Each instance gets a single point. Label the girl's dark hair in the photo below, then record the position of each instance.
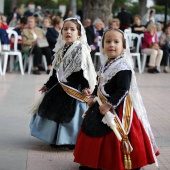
(118, 30)
(77, 24)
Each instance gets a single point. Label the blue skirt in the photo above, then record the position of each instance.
(45, 129)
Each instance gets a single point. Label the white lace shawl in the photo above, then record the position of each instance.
(82, 60)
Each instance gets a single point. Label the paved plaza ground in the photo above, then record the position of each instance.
(20, 151)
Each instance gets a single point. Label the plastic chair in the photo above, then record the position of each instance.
(130, 37)
(14, 52)
(144, 55)
(128, 30)
(29, 61)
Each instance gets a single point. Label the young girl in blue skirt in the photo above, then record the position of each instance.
(58, 114)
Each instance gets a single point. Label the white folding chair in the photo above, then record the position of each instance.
(128, 30)
(14, 52)
(29, 61)
(144, 55)
(130, 39)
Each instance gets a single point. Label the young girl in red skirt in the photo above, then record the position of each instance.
(131, 145)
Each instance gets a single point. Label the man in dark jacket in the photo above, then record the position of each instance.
(93, 36)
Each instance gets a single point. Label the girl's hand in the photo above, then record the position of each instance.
(86, 92)
(43, 89)
(90, 102)
(104, 108)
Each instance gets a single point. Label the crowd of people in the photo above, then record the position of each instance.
(33, 26)
(101, 116)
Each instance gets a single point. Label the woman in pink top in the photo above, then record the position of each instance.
(150, 47)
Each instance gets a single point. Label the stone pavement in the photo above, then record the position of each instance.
(20, 151)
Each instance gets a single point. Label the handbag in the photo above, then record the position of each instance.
(155, 46)
(42, 43)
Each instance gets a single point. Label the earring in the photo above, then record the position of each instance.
(78, 37)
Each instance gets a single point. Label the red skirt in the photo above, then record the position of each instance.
(106, 153)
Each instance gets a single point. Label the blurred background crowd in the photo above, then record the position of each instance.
(36, 23)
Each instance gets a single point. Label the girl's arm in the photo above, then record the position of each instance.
(123, 80)
(52, 80)
(118, 87)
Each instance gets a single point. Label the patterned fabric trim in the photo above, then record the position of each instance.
(127, 114)
(74, 93)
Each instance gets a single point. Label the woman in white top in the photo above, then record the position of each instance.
(30, 35)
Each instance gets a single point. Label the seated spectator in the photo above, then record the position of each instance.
(137, 27)
(93, 34)
(101, 31)
(53, 32)
(165, 45)
(21, 25)
(87, 22)
(5, 42)
(47, 14)
(114, 23)
(30, 35)
(37, 20)
(150, 47)
(46, 24)
(159, 29)
(3, 25)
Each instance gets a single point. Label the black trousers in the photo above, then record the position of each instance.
(166, 54)
(38, 52)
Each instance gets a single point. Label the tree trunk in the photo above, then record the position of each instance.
(98, 9)
(143, 8)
